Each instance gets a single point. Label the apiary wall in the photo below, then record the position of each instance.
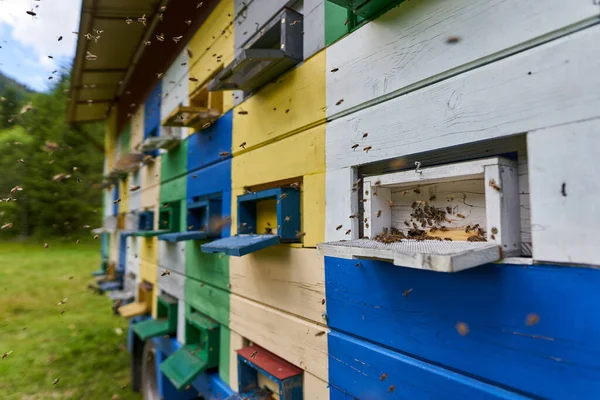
(424, 83)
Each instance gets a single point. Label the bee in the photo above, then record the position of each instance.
(300, 234)
(31, 13)
(392, 388)
(354, 147)
(287, 219)
(366, 149)
(378, 213)
(365, 200)
(364, 136)
(460, 216)
(166, 272)
(433, 229)
(142, 20)
(494, 186)
(338, 227)
(46, 245)
(283, 196)
(159, 75)
(161, 37)
(6, 354)
(124, 387)
(352, 216)
(339, 102)
(448, 239)
(383, 377)
(335, 70)
(407, 292)
(494, 230)
(188, 22)
(493, 237)
(134, 188)
(242, 112)
(189, 53)
(96, 237)
(243, 145)
(453, 39)
(348, 231)
(532, 319)
(63, 301)
(56, 381)
(224, 153)
(176, 39)
(253, 355)
(468, 228)
(390, 203)
(192, 79)
(16, 189)
(194, 176)
(474, 227)
(462, 328)
(377, 182)
(295, 185)
(268, 230)
(417, 191)
(407, 223)
(287, 110)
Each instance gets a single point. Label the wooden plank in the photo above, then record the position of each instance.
(172, 256)
(206, 268)
(173, 191)
(135, 196)
(295, 102)
(565, 225)
(181, 320)
(174, 163)
(113, 247)
(515, 341)
(236, 342)
(137, 129)
(364, 370)
(313, 209)
(175, 92)
(295, 340)
(214, 38)
(407, 47)
(224, 353)
(205, 146)
(133, 255)
(212, 179)
(294, 156)
(149, 249)
(474, 103)
(524, 203)
(172, 284)
(314, 388)
(124, 196)
(341, 205)
(314, 27)
(152, 105)
(291, 280)
(208, 299)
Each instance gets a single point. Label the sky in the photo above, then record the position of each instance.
(26, 41)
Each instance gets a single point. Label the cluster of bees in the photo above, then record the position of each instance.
(428, 216)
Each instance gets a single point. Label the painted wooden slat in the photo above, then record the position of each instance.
(313, 209)
(530, 328)
(207, 268)
(175, 92)
(224, 350)
(342, 206)
(172, 284)
(236, 342)
(288, 279)
(133, 255)
(475, 101)
(295, 340)
(181, 319)
(137, 128)
(173, 191)
(113, 248)
(205, 146)
(297, 155)
(294, 102)
(215, 178)
(152, 111)
(208, 300)
(148, 271)
(563, 216)
(172, 256)
(174, 162)
(124, 196)
(408, 45)
(314, 27)
(252, 15)
(135, 196)
(214, 38)
(314, 388)
(524, 202)
(364, 371)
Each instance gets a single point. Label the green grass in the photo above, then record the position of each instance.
(80, 347)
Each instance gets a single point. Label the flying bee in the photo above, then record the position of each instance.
(460, 216)
(355, 146)
(352, 216)
(243, 145)
(288, 218)
(134, 188)
(300, 234)
(365, 135)
(378, 213)
(407, 292)
(407, 223)
(335, 70)
(417, 191)
(224, 153)
(283, 196)
(295, 185)
(494, 186)
(348, 231)
(390, 203)
(339, 102)
(176, 39)
(161, 37)
(366, 149)
(337, 228)
(253, 355)
(193, 79)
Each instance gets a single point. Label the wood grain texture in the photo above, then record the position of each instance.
(172, 256)
(172, 284)
(286, 336)
(295, 102)
(297, 155)
(313, 209)
(565, 226)
(291, 280)
(467, 108)
(416, 312)
(367, 371)
(214, 38)
(314, 388)
(408, 45)
(208, 299)
(206, 268)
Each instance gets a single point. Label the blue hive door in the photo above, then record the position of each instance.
(122, 253)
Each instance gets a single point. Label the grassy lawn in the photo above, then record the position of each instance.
(81, 347)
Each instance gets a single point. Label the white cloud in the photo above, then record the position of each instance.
(39, 34)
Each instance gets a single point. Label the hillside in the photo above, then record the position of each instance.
(9, 83)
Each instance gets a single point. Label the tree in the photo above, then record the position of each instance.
(9, 107)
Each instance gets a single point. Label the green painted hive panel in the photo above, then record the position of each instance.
(152, 328)
(174, 163)
(209, 268)
(184, 365)
(208, 300)
(173, 190)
